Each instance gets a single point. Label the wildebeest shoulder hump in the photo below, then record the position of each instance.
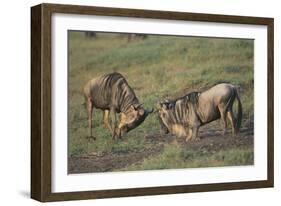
(191, 97)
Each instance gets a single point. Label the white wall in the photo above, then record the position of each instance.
(15, 103)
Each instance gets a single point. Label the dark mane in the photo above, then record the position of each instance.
(193, 97)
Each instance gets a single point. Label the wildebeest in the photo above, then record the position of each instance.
(112, 94)
(185, 115)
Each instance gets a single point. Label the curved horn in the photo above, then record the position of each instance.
(137, 106)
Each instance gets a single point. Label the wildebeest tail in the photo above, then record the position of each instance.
(240, 112)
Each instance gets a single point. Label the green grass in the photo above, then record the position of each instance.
(155, 67)
(175, 157)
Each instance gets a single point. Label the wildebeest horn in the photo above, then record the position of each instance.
(136, 106)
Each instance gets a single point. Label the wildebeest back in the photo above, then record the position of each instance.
(110, 90)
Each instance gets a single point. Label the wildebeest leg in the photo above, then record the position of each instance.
(231, 119)
(90, 114)
(164, 128)
(223, 118)
(195, 133)
(113, 122)
(106, 120)
(189, 135)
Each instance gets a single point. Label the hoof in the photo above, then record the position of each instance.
(91, 138)
(175, 142)
(197, 139)
(114, 138)
(235, 134)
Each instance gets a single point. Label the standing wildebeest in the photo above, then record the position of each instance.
(185, 115)
(112, 94)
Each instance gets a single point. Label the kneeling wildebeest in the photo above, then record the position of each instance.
(112, 94)
(185, 115)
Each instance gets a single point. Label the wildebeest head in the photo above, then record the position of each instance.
(163, 109)
(132, 118)
(176, 115)
(173, 115)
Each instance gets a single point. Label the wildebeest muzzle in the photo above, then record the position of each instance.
(139, 120)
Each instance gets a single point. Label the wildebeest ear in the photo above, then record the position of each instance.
(198, 94)
(187, 97)
(132, 107)
(167, 105)
(141, 111)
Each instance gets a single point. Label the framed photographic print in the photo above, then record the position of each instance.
(132, 102)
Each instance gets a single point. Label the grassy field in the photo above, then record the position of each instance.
(157, 67)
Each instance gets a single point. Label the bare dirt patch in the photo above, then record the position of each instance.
(108, 162)
(212, 141)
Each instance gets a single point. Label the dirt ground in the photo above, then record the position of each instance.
(212, 141)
